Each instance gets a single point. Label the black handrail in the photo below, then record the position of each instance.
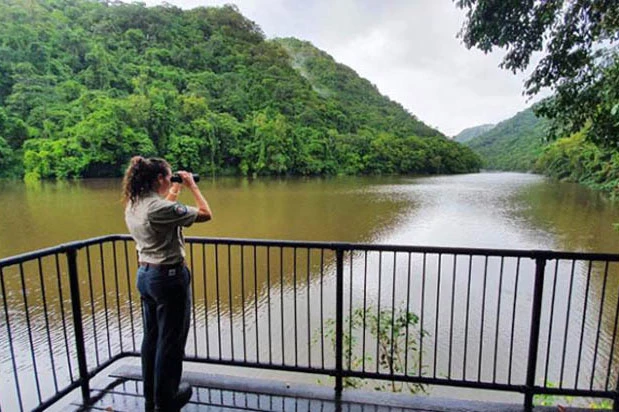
(431, 277)
(344, 246)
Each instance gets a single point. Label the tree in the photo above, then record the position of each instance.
(270, 149)
(185, 153)
(62, 158)
(6, 156)
(579, 41)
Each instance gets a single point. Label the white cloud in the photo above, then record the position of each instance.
(407, 48)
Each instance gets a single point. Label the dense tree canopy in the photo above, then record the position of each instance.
(578, 41)
(86, 84)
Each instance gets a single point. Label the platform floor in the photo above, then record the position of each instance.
(122, 392)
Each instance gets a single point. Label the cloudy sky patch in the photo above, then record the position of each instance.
(407, 48)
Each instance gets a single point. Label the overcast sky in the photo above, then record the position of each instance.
(407, 48)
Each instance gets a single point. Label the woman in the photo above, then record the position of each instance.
(155, 220)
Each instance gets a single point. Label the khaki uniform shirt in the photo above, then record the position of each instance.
(156, 226)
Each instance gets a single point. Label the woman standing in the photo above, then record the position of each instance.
(155, 220)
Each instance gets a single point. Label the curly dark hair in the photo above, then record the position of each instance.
(141, 177)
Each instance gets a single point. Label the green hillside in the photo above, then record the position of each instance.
(471, 132)
(87, 84)
(360, 99)
(519, 144)
(513, 144)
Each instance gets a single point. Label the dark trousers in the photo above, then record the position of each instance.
(166, 303)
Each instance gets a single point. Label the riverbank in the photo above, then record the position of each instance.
(574, 159)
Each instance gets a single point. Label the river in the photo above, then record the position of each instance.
(499, 210)
(486, 210)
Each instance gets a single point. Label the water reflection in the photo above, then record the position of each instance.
(577, 218)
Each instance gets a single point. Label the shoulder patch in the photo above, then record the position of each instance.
(180, 210)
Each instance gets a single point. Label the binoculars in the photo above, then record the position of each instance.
(177, 179)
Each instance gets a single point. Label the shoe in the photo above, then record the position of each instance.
(183, 394)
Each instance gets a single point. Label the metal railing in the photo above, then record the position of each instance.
(529, 322)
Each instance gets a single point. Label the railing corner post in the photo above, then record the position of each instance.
(339, 321)
(540, 266)
(76, 306)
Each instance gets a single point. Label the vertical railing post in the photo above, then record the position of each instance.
(616, 398)
(339, 321)
(540, 266)
(76, 305)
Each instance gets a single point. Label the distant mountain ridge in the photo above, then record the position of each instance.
(471, 132)
(513, 144)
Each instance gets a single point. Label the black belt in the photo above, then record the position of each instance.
(162, 266)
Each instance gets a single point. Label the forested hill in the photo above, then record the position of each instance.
(471, 132)
(513, 144)
(86, 84)
(360, 98)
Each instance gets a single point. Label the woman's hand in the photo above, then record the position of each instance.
(187, 179)
(204, 211)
